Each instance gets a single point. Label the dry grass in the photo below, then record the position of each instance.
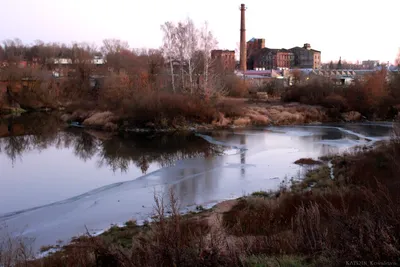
(104, 120)
(353, 217)
(262, 114)
(99, 118)
(240, 122)
(259, 119)
(14, 250)
(351, 116)
(221, 120)
(170, 240)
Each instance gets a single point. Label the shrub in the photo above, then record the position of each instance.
(374, 97)
(236, 87)
(162, 108)
(336, 102)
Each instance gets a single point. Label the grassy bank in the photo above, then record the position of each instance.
(348, 214)
(185, 113)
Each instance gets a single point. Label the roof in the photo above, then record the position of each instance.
(302, 48)
(222, 51)
(273, 50)
(255, 39)
(258, 72)
(335, 73)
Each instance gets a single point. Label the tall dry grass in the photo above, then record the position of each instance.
(356, 218)
(15, 250)
(170, 240)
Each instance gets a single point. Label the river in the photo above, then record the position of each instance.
(56, 182)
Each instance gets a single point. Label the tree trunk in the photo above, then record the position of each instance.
(172, 75)
(182, 77)
(190, 76)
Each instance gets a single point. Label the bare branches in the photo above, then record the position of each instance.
(168, 48)
(190, 47)
(113, 49)
(112, 46)
(207, 43)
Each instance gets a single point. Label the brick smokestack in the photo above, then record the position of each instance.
(243, 56)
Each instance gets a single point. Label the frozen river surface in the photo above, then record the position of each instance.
(55, 185)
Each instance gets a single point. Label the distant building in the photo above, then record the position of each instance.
(253, 46)
(268, 59)
(98, 60)
(370, 64)
(340, 77)
(224, 59)
(61, 61)
(263, 58)
(305, 57)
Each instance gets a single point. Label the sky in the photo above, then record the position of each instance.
(351, 29)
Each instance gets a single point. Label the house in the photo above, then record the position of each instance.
(98, 60)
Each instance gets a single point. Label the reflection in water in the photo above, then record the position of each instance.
(111, 151)
(73, 192)
(243, 155)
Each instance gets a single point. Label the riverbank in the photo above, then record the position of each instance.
(224, 113)
(345, 209)
(233, 113)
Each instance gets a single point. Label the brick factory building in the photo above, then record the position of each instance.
(269, 59)
(224, 60)
(306, 58)
(261, 57)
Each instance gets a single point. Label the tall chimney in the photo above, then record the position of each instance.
(243, 57)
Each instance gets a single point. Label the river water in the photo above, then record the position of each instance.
(56, 182)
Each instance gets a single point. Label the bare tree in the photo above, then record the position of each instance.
(192, 35)
(155, 64)
(111, 46)
(82, 69)
(14, 50)
(112, 49)
(188, 44)
(181, 46)
(168, 48)
(207, 43)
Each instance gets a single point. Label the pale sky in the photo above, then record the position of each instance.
(353, 29)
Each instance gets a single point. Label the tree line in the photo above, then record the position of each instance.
(185, 56)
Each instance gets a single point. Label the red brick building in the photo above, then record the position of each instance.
(260, 57)
(268, 59)
(224, 59)
(254, 45)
